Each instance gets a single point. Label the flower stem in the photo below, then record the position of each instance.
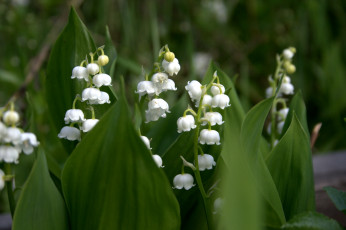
(197, 173)
(9, 185)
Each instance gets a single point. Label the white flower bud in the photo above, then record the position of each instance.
(269, 92)
(93, 68)
(89, 124)
(12, 135)
(218, 203)
(70, 133)
(2, 181)
(11, 117)
(145, 87)
(280, 126)
(183, 181)
(102, 79)
(283, 114)
(194, 88)
(213, 117)
(209, 137)
(186, 123)
(156, 108)
(158, 160)
(80, 72)
(205, 161)
(288, 54)
(207, 100)
(28, 142)
(74, 115)
(171, 67)
(215, 89)
(146, 141)
(103, 60)
(169, 56)
(221, 101)
(9, 154)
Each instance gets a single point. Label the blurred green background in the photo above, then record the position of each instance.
(242, 37)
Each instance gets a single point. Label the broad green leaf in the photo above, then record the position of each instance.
(111, 181)
(297, 106)
(241, 207)
(250, 138)
(338, 197)
(40, 205)
(290, 165)
(70, 49)
(311, 221)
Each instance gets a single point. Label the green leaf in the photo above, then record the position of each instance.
(250, 138)
(111, 181)
(311, 221)
(290, 165)
(70, 49)
(297, 106)
(338, 197)
(40, 205)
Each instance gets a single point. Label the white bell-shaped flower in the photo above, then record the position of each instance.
(93, 68)
(80, 72)
(12, 135)
(171, 67)
(194, 88)
(9, 154)
(221, 101)
(269, 92)
(213, 118)
(286, 87)
(2, 181)
(28, 142)
(205, 161)
(70, 133)
(102, 79)
(74, 115)
(158, 160)
(104, 98)
(146, 141)
(3, 131)
(207, 100)
(11, 117)
(280, 126)
(283, 114)
(91, 95)
(156, 108)
(215, 89)
(162, 83)
(288, 54)
(145, 87)
(88, 124)
(209, 137)
(186, 123)
(183, 181)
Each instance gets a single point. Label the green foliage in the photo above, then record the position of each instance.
(40, 205)
(338, 197)
(311, 221)
(111, 182)
(290, 165)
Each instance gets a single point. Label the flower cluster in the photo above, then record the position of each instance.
(14, 140)
(206, 98)
(279, 109)
(91, 74)
(167, 65)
